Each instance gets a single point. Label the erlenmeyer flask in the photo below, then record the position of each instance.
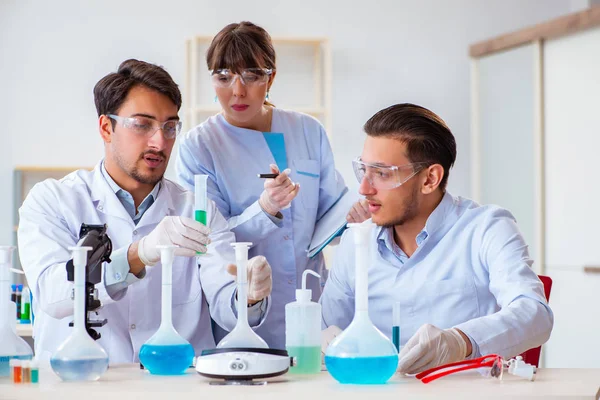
(11, 345)
(242, 336)
(361, 354)
(79, 358)
(166, 352)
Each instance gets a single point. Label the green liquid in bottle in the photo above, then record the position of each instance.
(200, 216)
(308, 359)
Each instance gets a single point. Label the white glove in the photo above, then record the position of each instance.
(279, 192)
(359, 212)
(260, 281)
(191, 236)
(431, 347)
(327, 336)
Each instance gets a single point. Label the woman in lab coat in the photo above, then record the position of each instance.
(247, 138)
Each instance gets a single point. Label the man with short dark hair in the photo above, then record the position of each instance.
(460, 271)
(138, 121)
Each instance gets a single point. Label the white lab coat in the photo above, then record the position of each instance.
(50, 219)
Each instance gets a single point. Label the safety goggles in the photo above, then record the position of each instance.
(490, 366)
(146, 127)
(386, 176)
(224, 78)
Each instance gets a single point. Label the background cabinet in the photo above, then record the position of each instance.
(303, 81)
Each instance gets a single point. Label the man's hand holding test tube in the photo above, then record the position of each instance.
(279, 191)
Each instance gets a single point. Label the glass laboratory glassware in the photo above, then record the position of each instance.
(361, 354)
(11, 345)
(166, 352)
(79, 357)
(200, 199)
(303, 330)
(242, 336)
(396, 325)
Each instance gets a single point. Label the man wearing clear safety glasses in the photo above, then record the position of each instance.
(138, 122)
(460, 272)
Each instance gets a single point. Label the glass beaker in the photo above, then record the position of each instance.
(11, 345)
(361, 354)
(242, 336)
(166, 352)
(79, 357)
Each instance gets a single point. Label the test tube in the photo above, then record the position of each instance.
(35, 371)
(25, 372)
(25, 306)
(18, 301)
(396, 325)
(13, 293)
(201, 202)
(15, 369)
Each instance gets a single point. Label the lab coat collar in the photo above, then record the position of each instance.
(162, 206)
(106, 201)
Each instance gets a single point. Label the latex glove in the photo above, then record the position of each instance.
(260, 281)
(359, 212)
(279, 192)
(327, 336)
(430, 347)
(191, 236)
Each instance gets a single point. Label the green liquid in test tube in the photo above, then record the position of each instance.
(200, 182)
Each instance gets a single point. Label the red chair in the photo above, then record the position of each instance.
(532, 356)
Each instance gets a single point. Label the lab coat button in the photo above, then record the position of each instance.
(132, 326)
(135, 232)
(118, 276)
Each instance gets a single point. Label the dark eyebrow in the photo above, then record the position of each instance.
(176, 117)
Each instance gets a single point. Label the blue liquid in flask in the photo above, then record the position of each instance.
(362, 370)
(167, 359)
(79, 370)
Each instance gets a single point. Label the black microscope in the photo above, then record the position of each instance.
(95, 237)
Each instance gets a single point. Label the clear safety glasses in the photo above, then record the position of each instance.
(143, 126)
(491, 366)
(225, 78)
(384, 176)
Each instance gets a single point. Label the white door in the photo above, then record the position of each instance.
(505, 142)
(572, 193)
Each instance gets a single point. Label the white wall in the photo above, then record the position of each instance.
(384, 52)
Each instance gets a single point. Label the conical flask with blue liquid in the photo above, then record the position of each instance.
(361, 354)
(166, 352)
